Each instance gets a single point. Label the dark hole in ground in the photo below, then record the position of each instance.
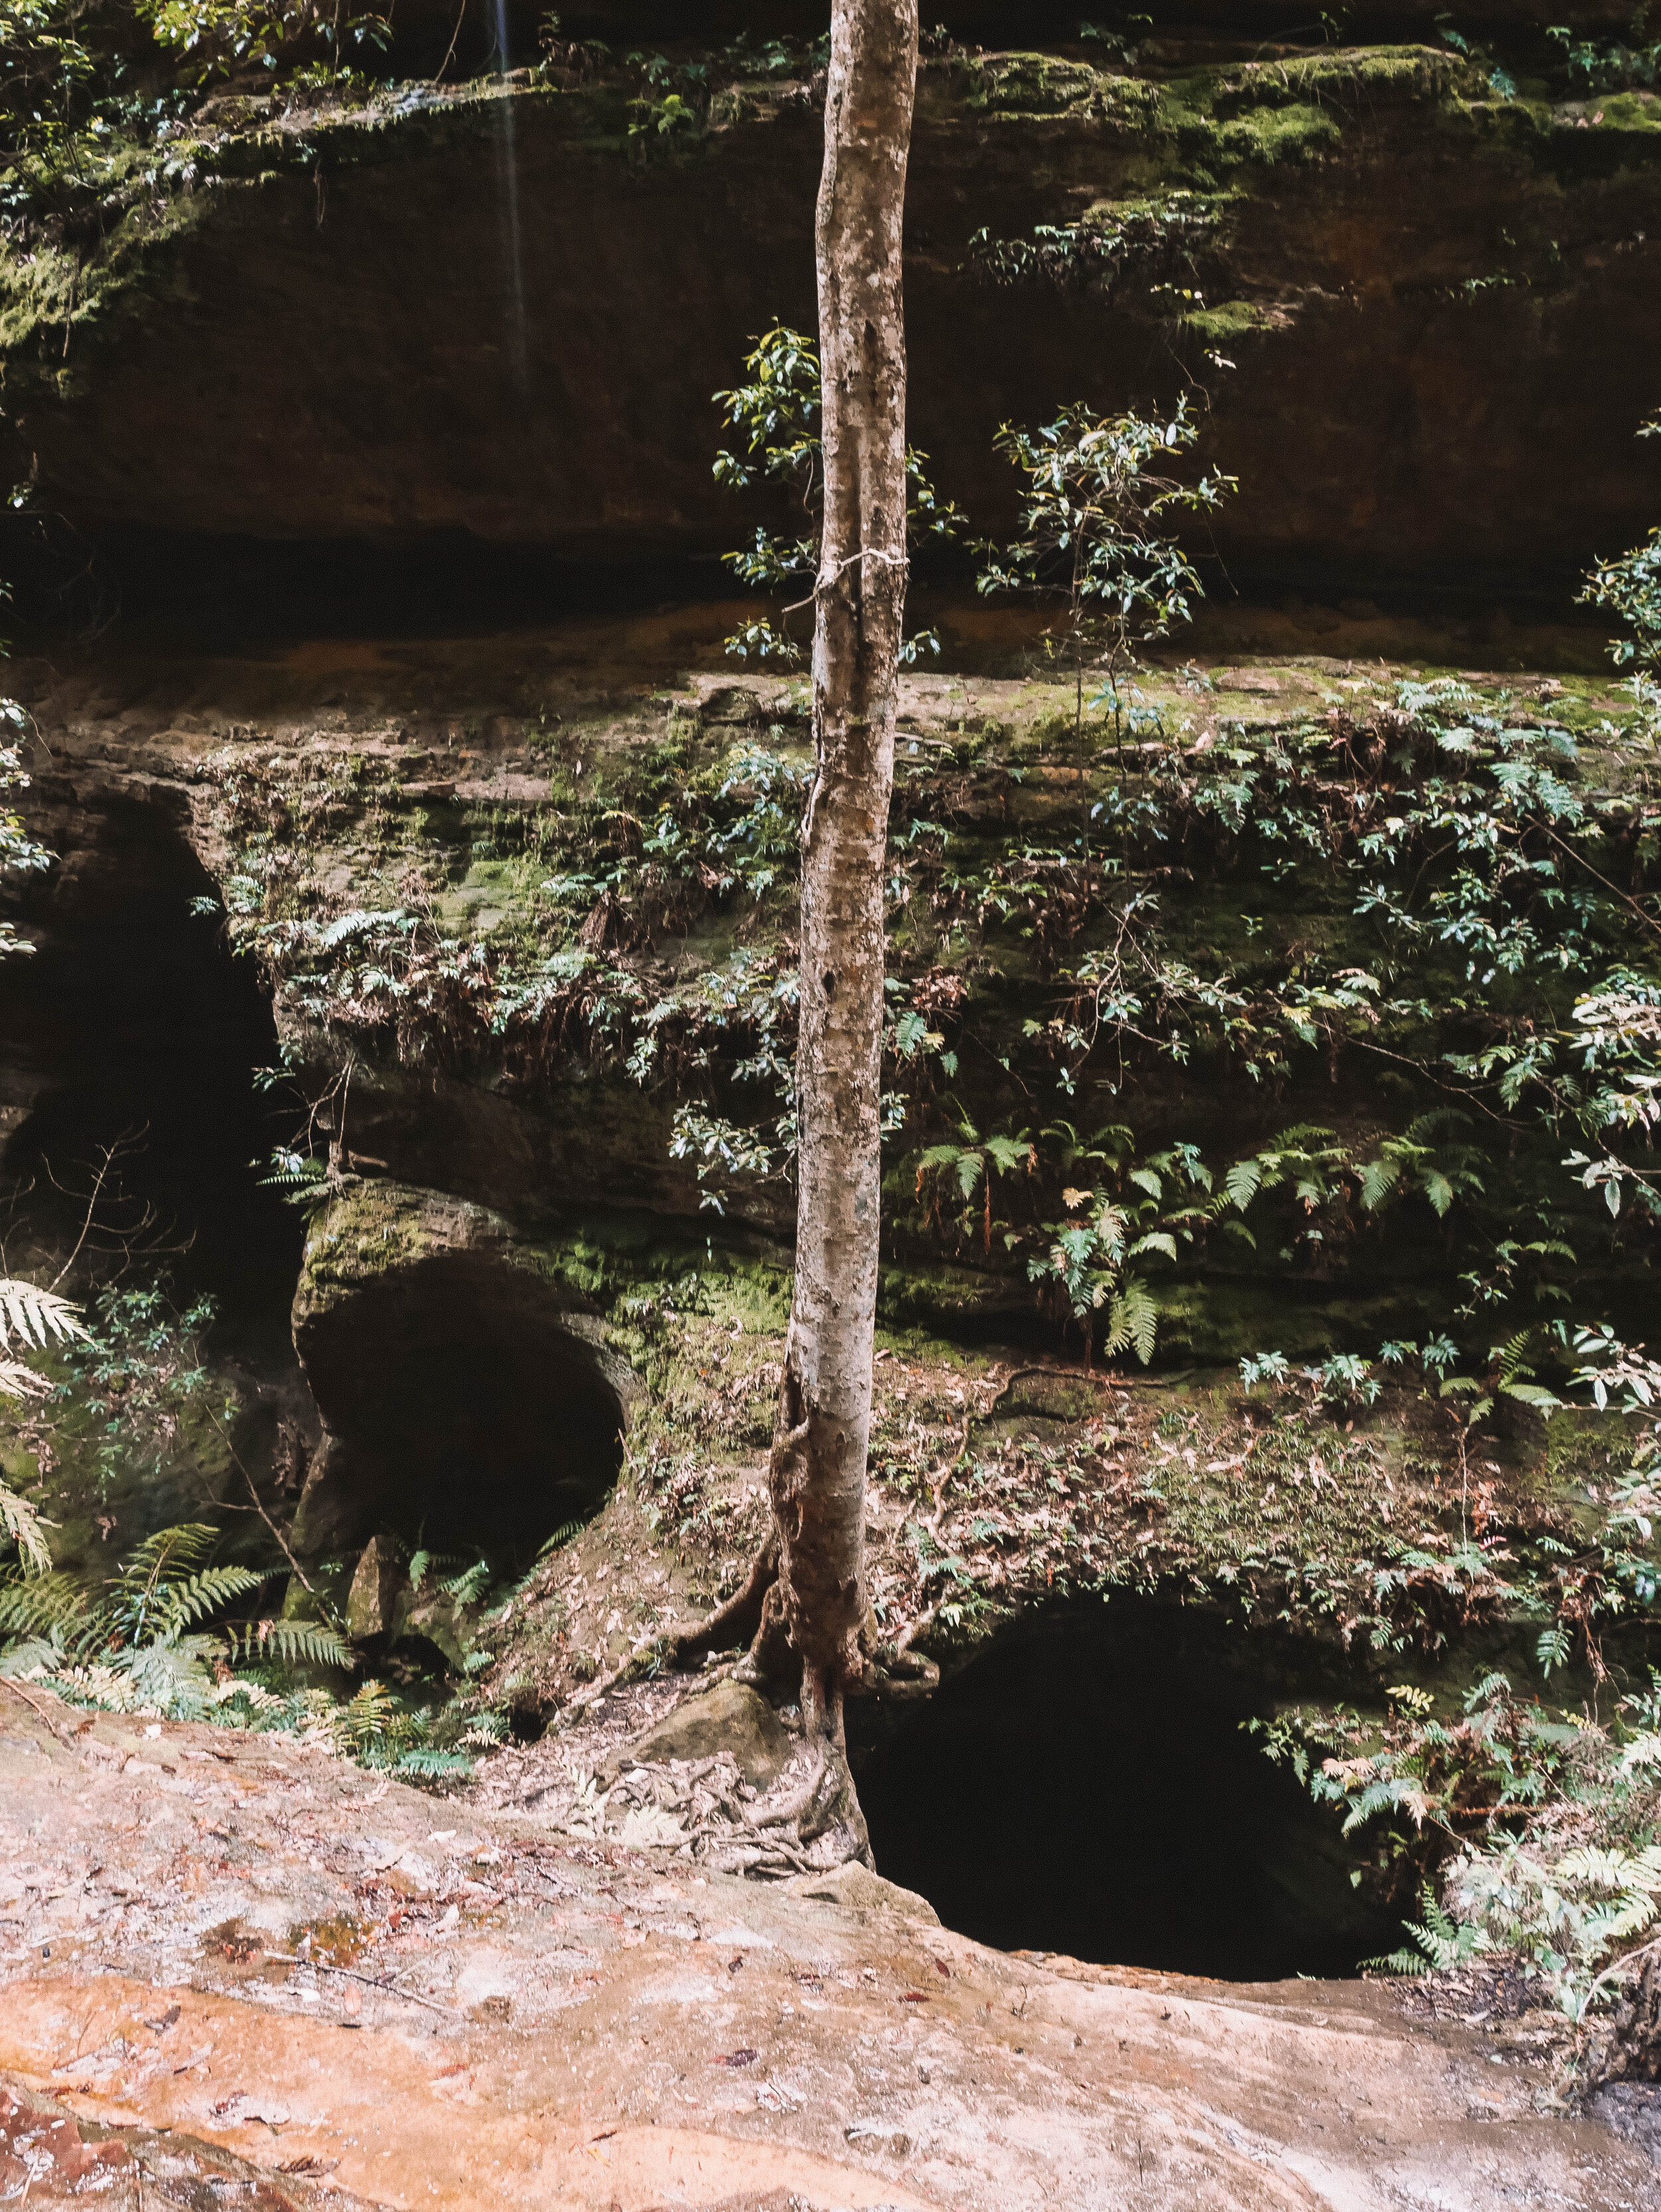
(132, 1016)
(1088, 1787)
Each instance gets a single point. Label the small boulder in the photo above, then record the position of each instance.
(730, 1717)
(437, 1618)
(373, 1593)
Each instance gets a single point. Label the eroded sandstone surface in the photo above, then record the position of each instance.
(215, 1939)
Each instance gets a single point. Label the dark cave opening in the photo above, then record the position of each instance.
(463, 1410)
(132, 1024)
(1088, 1787)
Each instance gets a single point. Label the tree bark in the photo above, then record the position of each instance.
(823, 1419)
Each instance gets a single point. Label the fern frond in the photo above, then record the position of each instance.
(1007, 1153)
(1242, 1181)
(1132, 1320)
(1155, 1240)
(167, 1554)
(1398, 1962)
(39, 1604)
(1437, 1188)
(22, 1526)
(1509, 1357)
(1552, 1649)
(17, 1381)
(431, 1765)
(170, 1674)
(180, 1605)
(369, 1715)
(470, 1584)
(564, 1534)
(1378, 1179)
(1443, 1942)
(1533, 1394)
(35, 1318)
(289, 1642)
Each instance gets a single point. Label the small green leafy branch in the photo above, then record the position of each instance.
(776, 416)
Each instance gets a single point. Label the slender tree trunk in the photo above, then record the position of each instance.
(823, 1420)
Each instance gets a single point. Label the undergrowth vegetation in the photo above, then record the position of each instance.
(1534, 1831)
(189, 1623)
(1119, 956)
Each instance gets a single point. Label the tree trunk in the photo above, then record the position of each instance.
(823, 1420)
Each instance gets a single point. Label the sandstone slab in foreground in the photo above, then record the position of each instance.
(356, 1988)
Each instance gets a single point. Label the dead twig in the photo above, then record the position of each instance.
(63, 1734)
(305, 1580)
(387, 1988)
(590, 1696)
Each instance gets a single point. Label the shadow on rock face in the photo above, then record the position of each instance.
(463, 1400)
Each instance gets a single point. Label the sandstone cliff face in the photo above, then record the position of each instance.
(518, 903)
(1437, 305)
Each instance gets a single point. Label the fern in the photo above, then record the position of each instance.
(1155, 1240)
(1242, 1181)
(1443, 1942)
(185, 1545)
(359, 923)
(172, 1673)
(303, 1180)
(35, 1318)
(428, 1766)
(290, 1643)
(1552, 1648)
(566, 1532)
(178, 1605)
(17, 1381)
(1403, 1962)
(22, 1525)
(1412, 1699)
(369, 1716)
(1509, 1358)
(471, 1584)
(1378, 1180)
(1132, 1320)
(1438, 1189)
(40, 1604)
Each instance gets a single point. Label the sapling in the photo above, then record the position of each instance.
(1094, 539)
(1630, 587)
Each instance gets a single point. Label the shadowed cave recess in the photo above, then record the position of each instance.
(130, 1025)
(1090, 1786)
(462, 1408)
(465, 1411)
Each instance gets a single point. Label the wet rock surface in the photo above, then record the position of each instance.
(243, 1942)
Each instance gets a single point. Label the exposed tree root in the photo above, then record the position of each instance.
(739, 1620)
